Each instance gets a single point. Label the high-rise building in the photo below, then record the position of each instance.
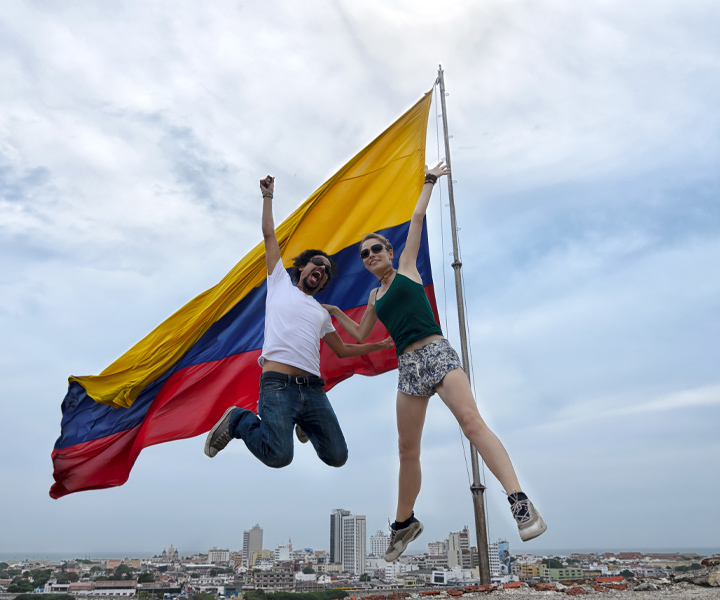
(454, 553)
(252, 542)
(336, 518)
(353, 548)
(459, 549)
(499, 558)
(379, 543)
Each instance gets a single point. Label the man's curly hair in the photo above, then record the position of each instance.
(304, 258)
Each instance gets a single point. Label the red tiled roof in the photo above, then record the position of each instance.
(81, 585)
(118, 583)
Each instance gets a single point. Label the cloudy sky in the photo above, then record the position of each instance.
(586, 145)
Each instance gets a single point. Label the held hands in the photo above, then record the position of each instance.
(438, 170)
(386, 344)
(267, 185)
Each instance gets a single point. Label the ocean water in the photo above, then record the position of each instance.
(704, 551)
(70, 555)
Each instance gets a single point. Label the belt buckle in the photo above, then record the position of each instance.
(300, 380)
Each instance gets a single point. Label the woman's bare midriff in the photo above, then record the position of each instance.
(423, 342)
(271, 365)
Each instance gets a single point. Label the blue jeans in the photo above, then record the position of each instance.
(281, 405)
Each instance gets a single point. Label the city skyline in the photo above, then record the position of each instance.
(585, 137)
(414, 549)
(223, 573)
(59, 556)
(305, 570)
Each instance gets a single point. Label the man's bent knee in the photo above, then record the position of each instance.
(336, 460)
(278, 460)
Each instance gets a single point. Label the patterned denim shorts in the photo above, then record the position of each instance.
(419, 371)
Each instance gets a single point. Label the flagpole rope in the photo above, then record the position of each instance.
(444, 278)
(471, 370)
(471, 373)
(470, 352)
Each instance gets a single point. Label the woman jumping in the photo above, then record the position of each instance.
(427, 363)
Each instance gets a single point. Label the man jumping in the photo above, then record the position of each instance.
(291, 389)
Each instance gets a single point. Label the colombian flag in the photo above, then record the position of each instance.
(179, 380)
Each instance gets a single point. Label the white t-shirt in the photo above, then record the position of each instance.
(294, 324)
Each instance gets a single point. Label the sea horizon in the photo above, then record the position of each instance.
(121, 554)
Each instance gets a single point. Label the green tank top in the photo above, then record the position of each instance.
(405, 311)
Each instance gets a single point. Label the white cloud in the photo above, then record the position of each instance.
(585, 143)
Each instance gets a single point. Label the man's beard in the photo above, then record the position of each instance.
(309, 285)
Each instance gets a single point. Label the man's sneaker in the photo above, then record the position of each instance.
(220, 435)
(301, 435)
(400, 538)
(530, 523)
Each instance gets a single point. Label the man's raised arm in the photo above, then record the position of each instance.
(272, 249)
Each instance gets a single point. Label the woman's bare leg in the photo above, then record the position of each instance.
(455, 391)
(410, 421)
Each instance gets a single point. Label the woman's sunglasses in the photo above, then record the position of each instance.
(316, 260)
(376, 249)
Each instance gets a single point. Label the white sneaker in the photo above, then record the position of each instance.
(530, 523)
(400, 538)
(220, 435)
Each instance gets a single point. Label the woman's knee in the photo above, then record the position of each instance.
(408, 451)
(473, 426)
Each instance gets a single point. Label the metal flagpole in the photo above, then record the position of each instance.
(477, 488)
